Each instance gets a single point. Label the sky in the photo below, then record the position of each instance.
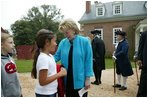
(13, 10)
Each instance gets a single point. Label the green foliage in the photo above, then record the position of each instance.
(131, 40)
(45, 16)
(60, 36)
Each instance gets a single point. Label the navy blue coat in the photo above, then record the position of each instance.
(123, 64)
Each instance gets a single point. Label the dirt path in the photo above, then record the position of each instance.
(103, 90)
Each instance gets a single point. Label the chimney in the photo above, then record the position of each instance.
(88, 6)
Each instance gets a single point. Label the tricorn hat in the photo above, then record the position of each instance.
(120, 33)
(96, 32)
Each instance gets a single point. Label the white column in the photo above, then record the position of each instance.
(141, 29)
(137, 38)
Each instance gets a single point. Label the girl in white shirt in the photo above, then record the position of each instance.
(44, 65)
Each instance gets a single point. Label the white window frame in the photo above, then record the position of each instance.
(114, 9)
(101, 35)
(115, 36)
(103, 10)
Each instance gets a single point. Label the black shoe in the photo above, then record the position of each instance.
(95, 82)
(117, 85)
(100, 82)
(122, 88)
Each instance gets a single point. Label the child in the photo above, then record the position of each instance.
(44, 65)
(10, 86)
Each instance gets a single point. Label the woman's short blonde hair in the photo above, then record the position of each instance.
(68, 24)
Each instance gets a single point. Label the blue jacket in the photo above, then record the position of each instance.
(123, 62)
(82, 59)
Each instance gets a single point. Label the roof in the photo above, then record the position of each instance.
(132, 10)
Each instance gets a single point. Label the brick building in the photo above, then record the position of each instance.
(128, 16)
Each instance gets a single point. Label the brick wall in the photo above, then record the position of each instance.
(24, 52)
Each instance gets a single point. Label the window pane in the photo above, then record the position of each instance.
(117, 9)
(100, 35)
(100, 11)
(114, 35)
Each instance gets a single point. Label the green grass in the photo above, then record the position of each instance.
(26, 65)
(109, 63)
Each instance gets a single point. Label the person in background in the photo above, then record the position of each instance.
(123, 65)
(75, 53)
(10, 85)
(44, 65)
(142, 62)
(98, 48)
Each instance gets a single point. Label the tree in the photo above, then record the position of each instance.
(45, 16)
(131, 40)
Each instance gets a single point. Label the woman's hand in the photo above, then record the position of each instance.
(87, 83)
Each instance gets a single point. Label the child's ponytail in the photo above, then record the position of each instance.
(34, 72)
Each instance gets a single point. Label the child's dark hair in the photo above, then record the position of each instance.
(40, 41)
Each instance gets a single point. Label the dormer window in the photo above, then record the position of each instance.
(117, 8)
(100, 9)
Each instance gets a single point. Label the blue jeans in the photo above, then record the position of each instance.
(41, 95)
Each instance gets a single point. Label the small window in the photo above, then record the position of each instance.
(117, 9)
(101, 35)
(100, 11)
(114, 35)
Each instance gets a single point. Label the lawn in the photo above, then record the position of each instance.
(109, 63)
(26, 65)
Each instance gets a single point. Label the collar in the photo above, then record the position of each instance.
(121, 40)
(4, 56)
(97, 36)
(71, 40)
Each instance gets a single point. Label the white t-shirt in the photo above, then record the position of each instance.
(45, 61)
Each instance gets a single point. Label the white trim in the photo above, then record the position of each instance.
(145, 4)
(114, 35)
(141, 26)
(101, 35)
(120, 9)
(137, 37)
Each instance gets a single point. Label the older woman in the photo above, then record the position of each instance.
(75, 53)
